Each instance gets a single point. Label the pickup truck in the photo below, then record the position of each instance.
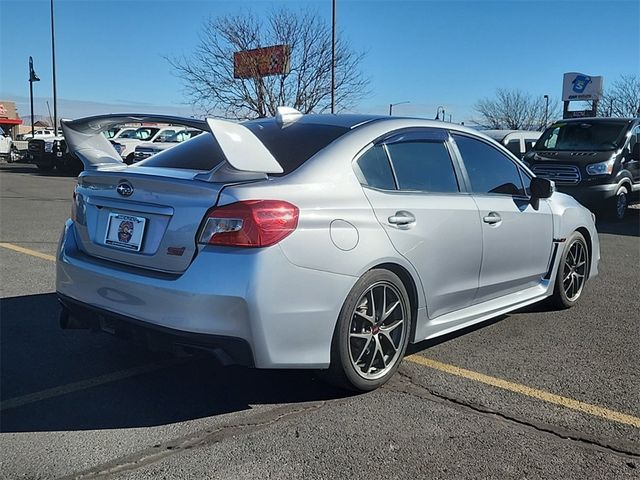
(8, 151)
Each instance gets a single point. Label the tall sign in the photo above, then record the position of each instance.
(580, 87)
(261, 62)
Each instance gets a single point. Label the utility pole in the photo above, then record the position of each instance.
(546, 110)
(32, 78)
(333, 58)
(53, 62)
(391, 105)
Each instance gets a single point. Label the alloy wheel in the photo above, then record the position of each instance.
(574, 270)
(377, 331)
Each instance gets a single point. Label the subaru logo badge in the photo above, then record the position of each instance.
(125, 189)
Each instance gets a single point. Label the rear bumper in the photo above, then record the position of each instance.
(285, 314)
(229, 350)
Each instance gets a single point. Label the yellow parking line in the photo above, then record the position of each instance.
(565, 402)
(27, 251)
(82, 385)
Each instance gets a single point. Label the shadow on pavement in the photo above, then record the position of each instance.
(426, 344)
(629, 226)
(33, 170)
(37, 355)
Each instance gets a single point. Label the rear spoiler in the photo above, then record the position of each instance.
(243, 151)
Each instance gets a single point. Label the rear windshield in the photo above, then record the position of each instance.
(291, 146)
(199, 153)
(583, 136)
(295, 143)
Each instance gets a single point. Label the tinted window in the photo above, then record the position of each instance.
(583, 136)
(295, 143)
(514, 147)
(375, 168)
(528, 144)
(164, 135)
(635, 137)
(489, 170)
(424, 166)
(199, 153)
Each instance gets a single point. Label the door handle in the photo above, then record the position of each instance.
(492, 218)
(402, 218)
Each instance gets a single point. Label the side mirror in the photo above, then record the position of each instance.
(635, 152)
(541, 187)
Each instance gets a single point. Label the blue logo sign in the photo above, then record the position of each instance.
(580, 83)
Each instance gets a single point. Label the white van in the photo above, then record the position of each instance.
(517, 142)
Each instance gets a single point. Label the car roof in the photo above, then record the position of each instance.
(353, 121)
(597, 120)
(345, 120)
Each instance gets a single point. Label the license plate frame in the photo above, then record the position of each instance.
(125, 232)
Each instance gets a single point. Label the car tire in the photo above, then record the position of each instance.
(372, 332)
(619, 204)
(129, 160)
(573, 272)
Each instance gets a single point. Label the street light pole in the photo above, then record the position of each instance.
(53, 62)
(333, 58)
(546, 110)
(391, 105)
(32, 78)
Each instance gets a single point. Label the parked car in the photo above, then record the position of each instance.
(595, 160)
(517, 142)
(8, 151)
(115, 131)
(130, 140)
(147, 149)
(314, 241)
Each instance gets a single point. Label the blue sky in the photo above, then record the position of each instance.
(109, 53)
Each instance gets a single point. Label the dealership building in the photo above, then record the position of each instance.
(9, 119)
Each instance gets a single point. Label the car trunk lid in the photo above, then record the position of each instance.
(149, 216)
(143, 220)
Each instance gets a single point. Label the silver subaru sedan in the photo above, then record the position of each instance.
(312, 241)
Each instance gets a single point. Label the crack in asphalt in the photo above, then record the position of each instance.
(564, 434)
(165, 449)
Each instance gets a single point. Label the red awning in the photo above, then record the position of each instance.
(10, 121)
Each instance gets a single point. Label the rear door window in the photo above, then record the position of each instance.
(489, 170)
(423, 166)
(375, 170)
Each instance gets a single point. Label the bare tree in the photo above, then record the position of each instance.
(622, 99)
(208, 72)
(516, 110)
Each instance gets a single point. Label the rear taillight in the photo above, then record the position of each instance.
(251, 223)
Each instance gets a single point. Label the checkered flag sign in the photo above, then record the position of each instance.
(262, 62)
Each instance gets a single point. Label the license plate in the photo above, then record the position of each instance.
(125, 231)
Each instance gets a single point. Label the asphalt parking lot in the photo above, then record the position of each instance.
(533, 394)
